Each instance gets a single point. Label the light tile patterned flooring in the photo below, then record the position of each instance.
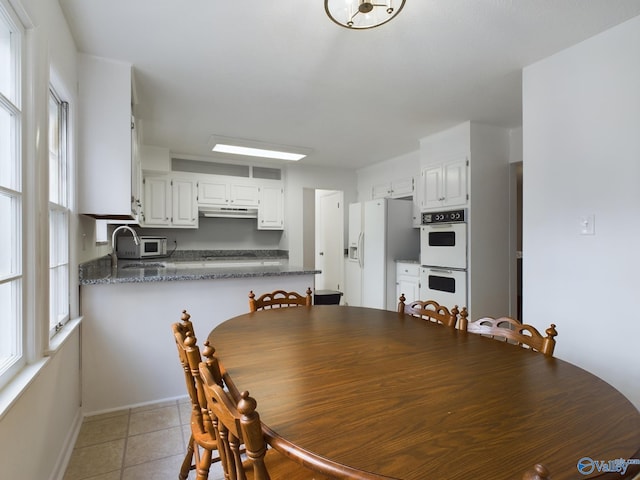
(144, 442)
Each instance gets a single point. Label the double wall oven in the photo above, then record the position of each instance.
(443, 257)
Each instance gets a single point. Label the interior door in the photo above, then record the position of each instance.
(330, 240)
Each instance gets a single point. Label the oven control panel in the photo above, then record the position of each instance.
(451, 216)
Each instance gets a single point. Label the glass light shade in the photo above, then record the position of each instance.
(362, 14)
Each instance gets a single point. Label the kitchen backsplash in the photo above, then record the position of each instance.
(219, 234)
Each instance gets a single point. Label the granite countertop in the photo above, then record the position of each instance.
(191, 265)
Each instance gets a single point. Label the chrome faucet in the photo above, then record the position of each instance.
(114, 256)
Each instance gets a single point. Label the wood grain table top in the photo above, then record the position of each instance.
(366, 393)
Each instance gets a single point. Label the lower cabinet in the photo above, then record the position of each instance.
(408, 281)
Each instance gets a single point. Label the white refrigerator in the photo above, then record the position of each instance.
(380, 233)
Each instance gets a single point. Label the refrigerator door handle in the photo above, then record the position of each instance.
(361, 249)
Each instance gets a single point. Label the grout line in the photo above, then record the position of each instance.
(126, 441)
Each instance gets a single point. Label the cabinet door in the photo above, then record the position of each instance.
(137, 190)
(156, 207)
(402, 187)
(242, 195)
(184, 206)
(382, 190)
(432, 195)
(104, 137)
(213, 192)
(409, 287)
(455, 183)
(271, 208)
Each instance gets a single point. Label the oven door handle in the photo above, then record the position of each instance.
(440, 225)
(441, 270)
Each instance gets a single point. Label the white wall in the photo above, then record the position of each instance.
(37, 430)
(129, 356)
(297, 179)
(581, 125)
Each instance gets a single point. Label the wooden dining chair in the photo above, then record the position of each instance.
(510, 330)
(202, 441)
(238, 425)
(278, 299)
(429, 310)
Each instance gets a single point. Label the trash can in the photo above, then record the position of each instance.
(326, 297)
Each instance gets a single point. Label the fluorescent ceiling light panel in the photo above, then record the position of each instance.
(254, 148)
(257, 152)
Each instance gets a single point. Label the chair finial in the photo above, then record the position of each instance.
(551, 331)
(185, 316)
(247, 405)
(208, 350)
(190, 340)
(464, 320)
(401, 304)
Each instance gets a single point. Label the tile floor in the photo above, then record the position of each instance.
(144, 442)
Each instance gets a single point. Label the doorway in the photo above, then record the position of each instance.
(515, 247)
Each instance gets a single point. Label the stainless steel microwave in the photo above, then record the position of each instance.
(148, 247)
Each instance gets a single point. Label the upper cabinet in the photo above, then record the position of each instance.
(169, 201)
(444, 184)
(109, 174)
(271, 210)
(399, 188)
(218, 190)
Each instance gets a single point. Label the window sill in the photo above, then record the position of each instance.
(11, 392)
(61, 337)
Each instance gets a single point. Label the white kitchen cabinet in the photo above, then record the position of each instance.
(444, 185)
(214, 190)
(156, 205)
(244, 194)
(399, 188)
(408, 281)
(169, 202)
(271, 208)
(136, 173)
(106, 173)
(184, 207)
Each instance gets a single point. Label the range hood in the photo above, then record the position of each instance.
(228, 212)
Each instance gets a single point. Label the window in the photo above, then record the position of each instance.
(11, 278)
(58, 215)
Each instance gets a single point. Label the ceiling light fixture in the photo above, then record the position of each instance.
(257, 152)
(362, 14)
(252, 148)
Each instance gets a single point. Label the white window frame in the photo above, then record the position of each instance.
(59, 214)
(12, 321)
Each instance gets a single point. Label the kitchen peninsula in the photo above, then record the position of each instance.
(129, 355)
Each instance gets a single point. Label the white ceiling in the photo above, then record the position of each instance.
(282, 72)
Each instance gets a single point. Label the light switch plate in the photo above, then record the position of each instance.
(587, 225)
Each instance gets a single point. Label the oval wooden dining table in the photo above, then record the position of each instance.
(368, 394)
